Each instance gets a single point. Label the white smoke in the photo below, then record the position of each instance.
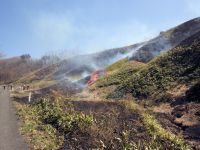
(85, 74)
(130, 52)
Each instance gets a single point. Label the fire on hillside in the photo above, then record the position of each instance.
(95, 76)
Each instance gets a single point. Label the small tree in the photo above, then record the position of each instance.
(25, 56)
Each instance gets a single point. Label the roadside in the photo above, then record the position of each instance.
(10, 138)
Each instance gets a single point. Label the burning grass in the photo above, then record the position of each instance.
(119, 74)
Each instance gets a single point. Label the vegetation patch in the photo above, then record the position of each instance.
(157, 131)
(45, 123)
(154, 128)
(178, 66)
(37, 84)
(119, 75)
(86, 125)
(115, 66)
(38, 134)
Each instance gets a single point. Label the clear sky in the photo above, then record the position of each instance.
(85, 26)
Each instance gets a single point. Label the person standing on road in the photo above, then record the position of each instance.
(4, 87)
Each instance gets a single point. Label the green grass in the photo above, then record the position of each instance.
(45, 123)
(38, 134)
(178, 66)
(115, 66)
(75, 77)
(119, 75)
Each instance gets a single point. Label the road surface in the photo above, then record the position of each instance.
(10, 139)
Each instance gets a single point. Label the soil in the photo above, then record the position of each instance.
(183, 119)
(111, 121)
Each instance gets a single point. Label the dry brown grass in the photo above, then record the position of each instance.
(179, 90)
(163, 108)
(154, 128)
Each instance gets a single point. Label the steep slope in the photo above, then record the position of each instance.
(118, 72)
(178, 66)
(168, 87)
(167, 40)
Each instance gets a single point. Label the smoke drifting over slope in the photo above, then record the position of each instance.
(79, 67)
(167, 40)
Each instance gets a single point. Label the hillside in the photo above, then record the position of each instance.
(118, 72)
(14, 68)
(75, 69)
(167, 40)
(178, 66)
(168, 86)
(79, 68)
(133, 105)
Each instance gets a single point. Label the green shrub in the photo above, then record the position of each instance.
(120, 75)
(45, 123)
(53, 114)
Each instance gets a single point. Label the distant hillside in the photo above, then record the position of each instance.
(167, 40)
(12, 69)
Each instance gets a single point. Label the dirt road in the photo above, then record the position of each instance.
(10, 139)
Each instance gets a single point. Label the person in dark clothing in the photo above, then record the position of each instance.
(4, 87)
(24, 87)
(28, 87)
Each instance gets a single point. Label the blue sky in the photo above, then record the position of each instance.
(86, 26)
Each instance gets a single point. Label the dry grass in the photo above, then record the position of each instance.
(154, 128)
(42, 84)
(163, 108)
